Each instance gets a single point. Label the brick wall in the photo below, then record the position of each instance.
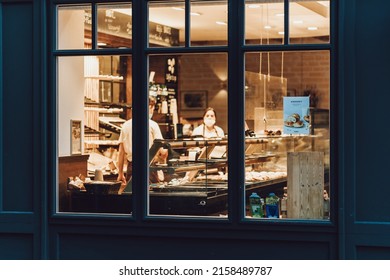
(302, 69)
(208, 72)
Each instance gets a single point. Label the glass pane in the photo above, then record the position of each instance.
(264, 22)
(209, 22)
(114, 26)
(287, 156)
(309, 22)
(188, 164)
(166, 24)
(74, 27)
(93, 104)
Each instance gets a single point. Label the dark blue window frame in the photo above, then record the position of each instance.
(140, 51)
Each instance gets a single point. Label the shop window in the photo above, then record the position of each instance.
(93, 105)
(287, 105)
(287, 141)
(74, 27)
(166, 24)
(286, 147)
(208, 23)
(94, 94)
(188, 167)
(264, 22)
(309, 22)
(114, 25)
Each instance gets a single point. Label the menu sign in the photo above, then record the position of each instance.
(119, 24)
(296, 115)
(163, 35)
(114, 23)
(111, 22)
(171, 75)
(171, 70)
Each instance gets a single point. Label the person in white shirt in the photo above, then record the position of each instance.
(126, 141)
(208, 129)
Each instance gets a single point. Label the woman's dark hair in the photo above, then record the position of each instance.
(210, 109)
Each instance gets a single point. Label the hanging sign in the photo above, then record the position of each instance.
(120, 24)
(171, 75)
(296, 115)
(171, 70)
(163, 35)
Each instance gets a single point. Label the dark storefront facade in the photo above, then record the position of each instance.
(48, 54)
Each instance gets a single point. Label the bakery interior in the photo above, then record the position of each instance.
(94, 96)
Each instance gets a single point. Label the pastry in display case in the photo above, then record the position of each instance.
(195, 176)
(196, 183)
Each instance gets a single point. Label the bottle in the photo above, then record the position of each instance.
(272, 206)
(256, 205)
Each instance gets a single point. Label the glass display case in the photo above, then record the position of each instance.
(193, 179)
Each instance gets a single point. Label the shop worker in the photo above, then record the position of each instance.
(208, 129)
(125, 143)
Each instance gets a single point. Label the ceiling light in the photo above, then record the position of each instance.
(178, 9)
(312, 28)
(195, 14)
(267, 27)
(101, 44)
(221, 22)
(299, 21)
(279, 15)
(281, 32)
(253, 6)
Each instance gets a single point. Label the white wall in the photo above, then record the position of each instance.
(70, 78)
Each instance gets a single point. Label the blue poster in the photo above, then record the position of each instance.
(296, 115)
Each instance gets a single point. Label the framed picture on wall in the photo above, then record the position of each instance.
(193, 100)
(75, 137)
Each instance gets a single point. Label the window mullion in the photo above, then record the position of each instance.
(236, 111)
(187, 23)
(94, 26)
(140, 122)
(286, 22)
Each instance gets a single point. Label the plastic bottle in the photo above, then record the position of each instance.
(256, 205)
